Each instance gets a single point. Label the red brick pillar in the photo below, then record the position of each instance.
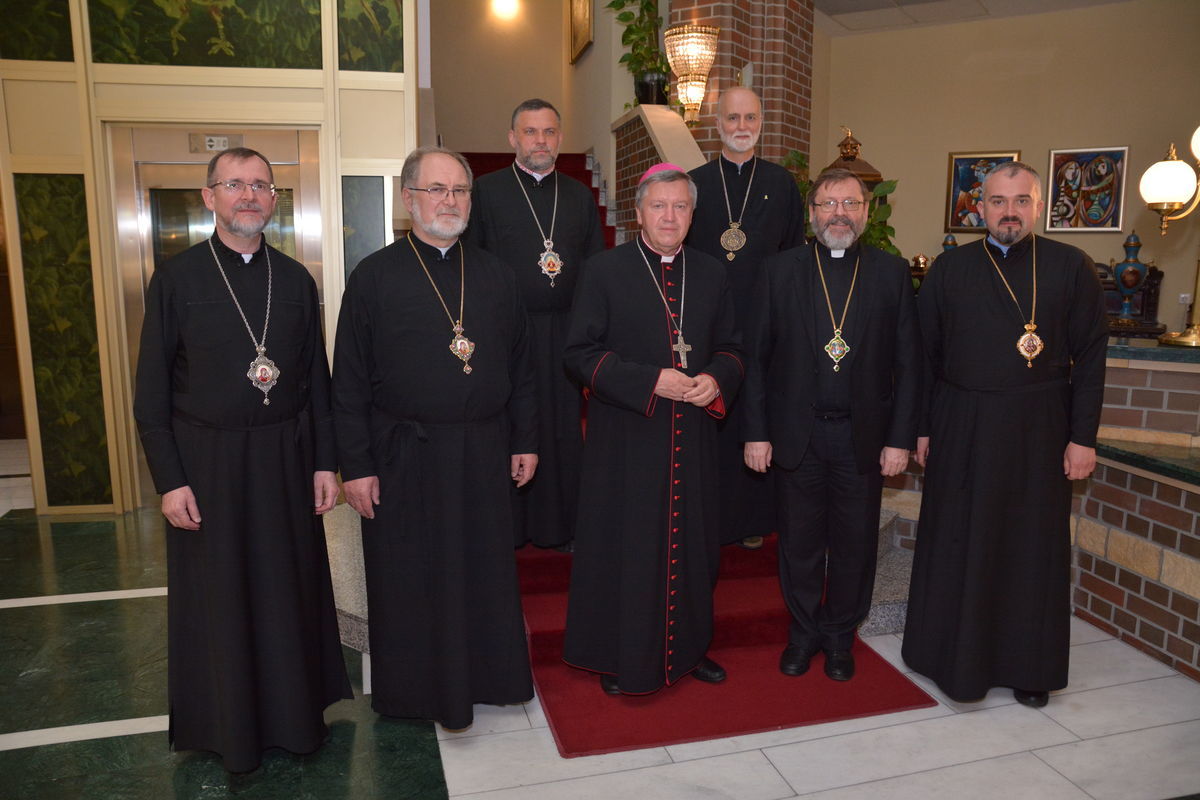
(775, 38)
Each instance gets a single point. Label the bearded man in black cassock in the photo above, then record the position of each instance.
(653, 337)
(1015, 334)
(747, 210)
(543, 225)
(244, 460)
(435, 409)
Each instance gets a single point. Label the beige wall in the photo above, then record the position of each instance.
(1121, 74)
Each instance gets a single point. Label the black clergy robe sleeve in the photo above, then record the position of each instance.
(320, 395)
(522, 403)
(1087, 331)
(152, 403)
(353, 366)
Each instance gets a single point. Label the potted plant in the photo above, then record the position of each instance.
(645, 59)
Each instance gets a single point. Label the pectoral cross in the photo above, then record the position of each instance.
(681, 347)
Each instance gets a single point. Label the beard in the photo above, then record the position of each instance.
(541, 161)
(1007, 236)
(440, 226)
(241, 226)
(836, 240)
(739, 143)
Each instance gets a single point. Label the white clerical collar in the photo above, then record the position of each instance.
(246, 257)
(539, 176)
(738, 164)
(445, 249)
(837, 253)
(1003, 248)
(668, 259)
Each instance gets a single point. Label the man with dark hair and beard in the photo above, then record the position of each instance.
(543, 225)
(245, 461)
(831, 399)
(747, 210)
(1015, 336)
(436, 415)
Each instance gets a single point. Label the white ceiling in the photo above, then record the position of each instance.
(846, 17)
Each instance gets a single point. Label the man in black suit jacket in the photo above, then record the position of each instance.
(831, 398)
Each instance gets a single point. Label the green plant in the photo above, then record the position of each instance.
(878, 232)
(642, 24)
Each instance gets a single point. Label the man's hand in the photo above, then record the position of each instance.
(704, 392)
(522, 466)
(892, 461)
(757, 455)
(922, 453)
(325, 491)
(363, 495)
(673, 384)
(179, 507)
(1078, 461)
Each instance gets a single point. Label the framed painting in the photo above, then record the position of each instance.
(1086, 189)
(581, 27)
(964, 186)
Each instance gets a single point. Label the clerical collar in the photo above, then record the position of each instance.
(669, 258)
(835, 253)
(229, 254)
(1008, 248)
(736, 165)
(442, 251)
(537, 176)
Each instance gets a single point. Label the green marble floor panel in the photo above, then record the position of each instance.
(366, 756)
(47, 556)
(72, 663)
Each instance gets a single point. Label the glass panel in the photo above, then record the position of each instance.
(363, 230)
(178, 220)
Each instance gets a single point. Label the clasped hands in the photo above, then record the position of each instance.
(674, 385)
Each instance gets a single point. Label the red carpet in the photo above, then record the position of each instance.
(751, 629)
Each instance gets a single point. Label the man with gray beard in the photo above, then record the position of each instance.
(831, 399)
(433, 397)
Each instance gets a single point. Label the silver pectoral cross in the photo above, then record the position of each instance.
(681, 347)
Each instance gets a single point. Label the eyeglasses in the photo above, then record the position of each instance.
(439, 192)
(831, 205)
(237, 187)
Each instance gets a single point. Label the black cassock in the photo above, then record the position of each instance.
(253, 653)
(445, 621)
(646, 543)
(502, 224)
(989, 603)
(773, 222)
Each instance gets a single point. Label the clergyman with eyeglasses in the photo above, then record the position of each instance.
(830, 405)
(436, 414)
(232, 403)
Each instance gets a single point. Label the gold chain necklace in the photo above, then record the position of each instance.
(681, 347)
(836, 348)
(550, 261)
(1029, 344)
(735, 238)
(460, 345)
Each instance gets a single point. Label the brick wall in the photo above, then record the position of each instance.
(635, 154)
(1151, 399)
(1137, 568)
(775, 38)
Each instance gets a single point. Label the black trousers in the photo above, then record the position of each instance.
(828, 538)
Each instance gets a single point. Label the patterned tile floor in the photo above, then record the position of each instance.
(82, 715)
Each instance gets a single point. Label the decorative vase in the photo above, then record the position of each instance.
(651, 89)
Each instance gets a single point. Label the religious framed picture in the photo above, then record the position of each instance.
(581, 27)
(1086, 189)
(964, 186)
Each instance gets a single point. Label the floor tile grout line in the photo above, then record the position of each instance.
(82, 597)
(87, 731)
(1034, 753)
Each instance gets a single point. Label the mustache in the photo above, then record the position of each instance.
(248, 207)
(840, 219)
(1014, 220)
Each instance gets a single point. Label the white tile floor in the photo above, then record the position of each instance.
(1126, 727)
(16, 489)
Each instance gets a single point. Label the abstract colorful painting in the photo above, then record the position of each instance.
(1086, 189)
(964, 187)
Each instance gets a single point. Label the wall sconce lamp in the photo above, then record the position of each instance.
(1170, 184)
(691, 50)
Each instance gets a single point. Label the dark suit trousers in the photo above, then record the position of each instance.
(826, 506)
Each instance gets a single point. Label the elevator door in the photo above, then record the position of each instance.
(157, 176)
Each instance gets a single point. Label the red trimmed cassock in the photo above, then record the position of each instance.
(647, 536)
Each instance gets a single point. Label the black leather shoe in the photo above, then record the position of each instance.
(709, 671)
(794, 660)
(839, 665)
(609, 684)
(1031, 699)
